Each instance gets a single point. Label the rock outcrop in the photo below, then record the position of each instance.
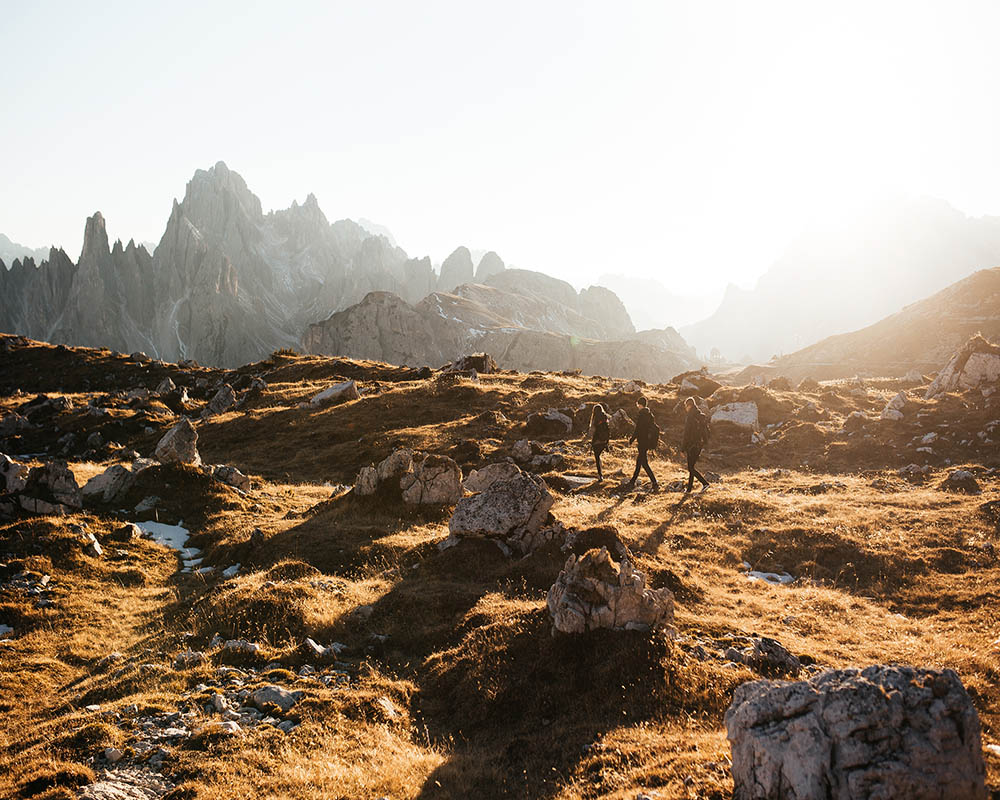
(975, 366)
(882, 732)
(593, 591)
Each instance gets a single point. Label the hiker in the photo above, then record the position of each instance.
(696, 430)
(646, 435)
(599, 424)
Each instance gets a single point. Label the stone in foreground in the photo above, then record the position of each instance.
(874, 734)
(179, 445)
(593, 591)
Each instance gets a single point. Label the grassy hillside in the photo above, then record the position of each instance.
(450, 683)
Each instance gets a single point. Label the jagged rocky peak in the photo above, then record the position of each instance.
(490, 264)
(214, 195)
(456, 270)
(95, 238)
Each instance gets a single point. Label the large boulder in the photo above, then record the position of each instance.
(483, 478)
(337, 393)
(883, 732)
(58, 479)
(548, 423)
(510, 510)
(435, 480)
(742, 415)
(975, 366)
(51, 489)
(179, 445)
(697, 382)
(110, 486)
(593, 591)
(221, 401)
(480, 363)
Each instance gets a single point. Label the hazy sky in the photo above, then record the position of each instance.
(685, 141)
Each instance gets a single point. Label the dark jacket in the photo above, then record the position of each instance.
(695, 427)
(602, 433)
(643, 432)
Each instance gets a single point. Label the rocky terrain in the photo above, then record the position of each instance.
(228, 284)
(847, 276)
(327, 577)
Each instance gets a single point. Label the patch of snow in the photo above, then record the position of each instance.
(170, 535)
(5, 629)
(229, 572)
(773, 578)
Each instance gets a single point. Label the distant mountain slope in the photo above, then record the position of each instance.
(9, 251)
(923, 336)
(848, 277)
(228, 284)
(514, 328)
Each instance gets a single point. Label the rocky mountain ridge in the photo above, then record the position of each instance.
(518, 331)
(228, 284)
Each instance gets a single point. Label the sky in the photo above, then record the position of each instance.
(684, 141)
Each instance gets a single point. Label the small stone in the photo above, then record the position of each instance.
(276, 696)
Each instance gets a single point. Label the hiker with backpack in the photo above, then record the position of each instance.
(696, 433)
(646, 436)
(602, 433)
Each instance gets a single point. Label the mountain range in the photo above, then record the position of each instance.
(9, 251)
(228, 284)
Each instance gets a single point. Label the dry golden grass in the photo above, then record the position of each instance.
(490, 705)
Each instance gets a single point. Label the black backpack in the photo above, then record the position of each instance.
(652, 433)
(704, 428)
